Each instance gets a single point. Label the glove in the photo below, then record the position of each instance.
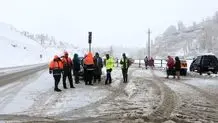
(50, 71)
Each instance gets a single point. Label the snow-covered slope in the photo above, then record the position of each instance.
(18, 49)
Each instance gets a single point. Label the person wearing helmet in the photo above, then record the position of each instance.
(68, 66)
(56, 67)
(109, 63)
(125, 63)
(98, 67)
(89, 68)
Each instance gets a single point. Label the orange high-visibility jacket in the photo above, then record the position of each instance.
(89, 59)
(56, 66)
(67, 61)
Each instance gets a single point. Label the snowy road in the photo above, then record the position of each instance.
(147, 97)
(10, 74)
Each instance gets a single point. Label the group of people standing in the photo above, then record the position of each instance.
(63, 66)
(92, 68)
(173, 67)
(149, 62)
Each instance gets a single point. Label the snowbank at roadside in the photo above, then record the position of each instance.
(34, 95)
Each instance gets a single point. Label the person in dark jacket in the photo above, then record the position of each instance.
(98, 67)
(76, 68)
(177, 67)
(68, 66)
(84, 68)
(125, 63)
(146, 62)
(56, 67)
(151, 63)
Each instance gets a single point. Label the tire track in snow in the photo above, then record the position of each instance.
(195, 104)
(115, 92)
(167, 104)
(129, 107)
(41, 104)
(211, 97)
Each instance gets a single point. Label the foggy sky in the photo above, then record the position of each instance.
(113, 22)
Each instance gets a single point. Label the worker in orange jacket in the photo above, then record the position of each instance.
(56, 67)
(89, 68)
(67, 70)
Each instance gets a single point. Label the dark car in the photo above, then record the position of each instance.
(205, 64)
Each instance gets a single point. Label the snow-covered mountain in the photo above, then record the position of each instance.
(52, 45)
(188, 41)
(18, 49)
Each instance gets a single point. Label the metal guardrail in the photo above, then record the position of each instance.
(158, 63)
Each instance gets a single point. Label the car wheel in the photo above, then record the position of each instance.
(200, 71)
(191, 69)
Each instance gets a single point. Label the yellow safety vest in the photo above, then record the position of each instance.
(124, 63)
(109, 63)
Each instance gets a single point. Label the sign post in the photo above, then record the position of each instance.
(149, 44)
(90, 41)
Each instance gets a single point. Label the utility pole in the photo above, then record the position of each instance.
(149, 44)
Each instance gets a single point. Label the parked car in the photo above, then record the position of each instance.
(205, 64)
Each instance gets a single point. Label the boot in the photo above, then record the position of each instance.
(57, 90)
(72, 87)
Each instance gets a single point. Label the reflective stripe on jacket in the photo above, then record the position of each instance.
(124, 63)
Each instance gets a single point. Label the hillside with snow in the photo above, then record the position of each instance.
(18, 49)
(188, 41)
